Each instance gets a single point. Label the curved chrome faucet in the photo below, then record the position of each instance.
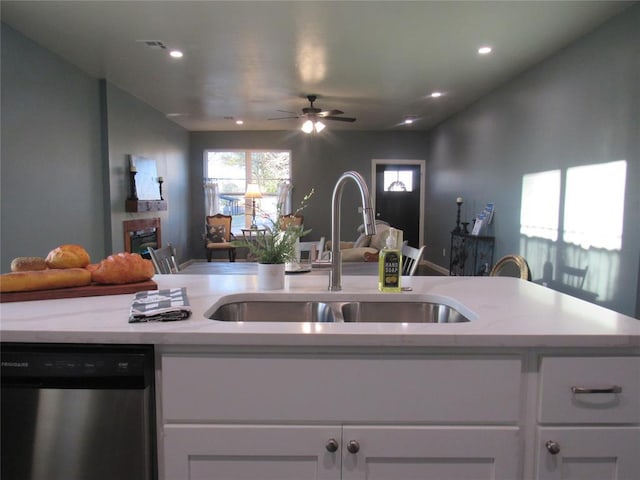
(335, 277)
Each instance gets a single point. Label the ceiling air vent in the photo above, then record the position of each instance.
(157, 44)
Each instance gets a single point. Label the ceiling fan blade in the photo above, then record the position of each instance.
(281, 118)
(341, 119)
(328, 113)
(286, 111)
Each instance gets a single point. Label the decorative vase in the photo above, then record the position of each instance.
(270, 276)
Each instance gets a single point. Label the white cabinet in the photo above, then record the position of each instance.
(260, 452)
(601, 392)
(452, 453)
(386, 416)
(300, 452)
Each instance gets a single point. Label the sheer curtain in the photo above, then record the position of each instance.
(284, 196)
(211, 197)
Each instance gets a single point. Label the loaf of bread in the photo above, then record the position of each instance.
(68, 256)
(28, 264)
(44, 280)
(122, 268)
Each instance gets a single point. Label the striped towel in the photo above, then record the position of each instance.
(160, 306)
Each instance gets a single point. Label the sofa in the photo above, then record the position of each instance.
(364, 248)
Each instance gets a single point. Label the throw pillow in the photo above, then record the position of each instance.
(216, 233)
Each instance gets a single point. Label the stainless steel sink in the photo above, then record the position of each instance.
(400, 312)
(316, 311)
(261, 311)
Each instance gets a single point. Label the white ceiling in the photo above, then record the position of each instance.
(377, 61)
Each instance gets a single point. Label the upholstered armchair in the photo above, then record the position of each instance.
(218, 236)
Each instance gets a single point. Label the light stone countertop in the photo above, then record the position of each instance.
(504, 312)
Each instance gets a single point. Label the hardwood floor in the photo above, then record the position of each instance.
(251, 268)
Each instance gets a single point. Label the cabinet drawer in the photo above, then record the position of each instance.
(567, 382)
(342, 389)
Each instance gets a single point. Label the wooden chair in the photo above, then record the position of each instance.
(212, 243)
(573, 276)
(410, 259)
(164, 259)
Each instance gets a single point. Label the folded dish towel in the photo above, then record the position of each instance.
(160, 306)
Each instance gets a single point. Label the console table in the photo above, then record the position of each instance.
(470, 255)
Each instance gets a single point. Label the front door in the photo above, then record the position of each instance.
(398, 197)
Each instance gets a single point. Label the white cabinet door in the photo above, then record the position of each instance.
(431, 453)
(581, 453)
(208, 452)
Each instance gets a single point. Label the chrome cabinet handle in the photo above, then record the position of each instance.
(608, 389)
(552, 447)
(332, 445)
(353, 446)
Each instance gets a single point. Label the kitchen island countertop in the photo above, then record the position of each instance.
(504, 312)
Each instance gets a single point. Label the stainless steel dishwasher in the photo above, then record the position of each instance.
(77, 412)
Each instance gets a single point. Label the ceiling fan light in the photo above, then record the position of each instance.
(307, 127)
(319, 126)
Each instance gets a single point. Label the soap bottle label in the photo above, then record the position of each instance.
(389, 280)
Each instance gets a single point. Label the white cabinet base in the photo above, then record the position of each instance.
(204, 452)
(597, 453)
(451, 453)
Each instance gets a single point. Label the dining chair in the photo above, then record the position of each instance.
(164, 259)
(410, 259)
(573, 276)
(218, 235)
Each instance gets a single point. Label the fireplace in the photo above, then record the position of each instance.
(140, 235)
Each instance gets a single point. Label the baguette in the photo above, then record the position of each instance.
(28, 264)
(44, 280)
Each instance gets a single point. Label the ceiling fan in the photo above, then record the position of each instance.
(314, 116)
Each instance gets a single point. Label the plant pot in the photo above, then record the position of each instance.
(271, 276)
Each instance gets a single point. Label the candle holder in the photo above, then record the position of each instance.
(459, 202)
(133, 193)
(160, 182)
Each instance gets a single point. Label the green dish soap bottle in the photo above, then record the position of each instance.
(390, 263)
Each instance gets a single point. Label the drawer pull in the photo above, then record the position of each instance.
(552, 447)
(610, 389)
(353, 446)
(332, 445)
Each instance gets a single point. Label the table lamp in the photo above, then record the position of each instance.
(253, 192)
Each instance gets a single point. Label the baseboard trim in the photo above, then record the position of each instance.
(434, 266)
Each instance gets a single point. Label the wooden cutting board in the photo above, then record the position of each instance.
(93, 290)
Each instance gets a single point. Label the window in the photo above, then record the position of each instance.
(398, 181)
(233, 170)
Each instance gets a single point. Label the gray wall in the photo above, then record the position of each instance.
(317, 162)
(135, 128)
(65, 141)
(580, 107)
(52, 173)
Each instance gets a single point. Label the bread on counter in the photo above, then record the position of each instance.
(122, 268)
(68, 256)
(28, 264)
(44, 279)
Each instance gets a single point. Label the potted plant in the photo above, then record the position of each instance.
(278, 245)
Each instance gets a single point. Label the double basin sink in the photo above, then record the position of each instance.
(337, 311)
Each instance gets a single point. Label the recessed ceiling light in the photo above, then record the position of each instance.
(239, 122)
(176, 53)
(409, 119)
(436, 94)
(484, 50)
